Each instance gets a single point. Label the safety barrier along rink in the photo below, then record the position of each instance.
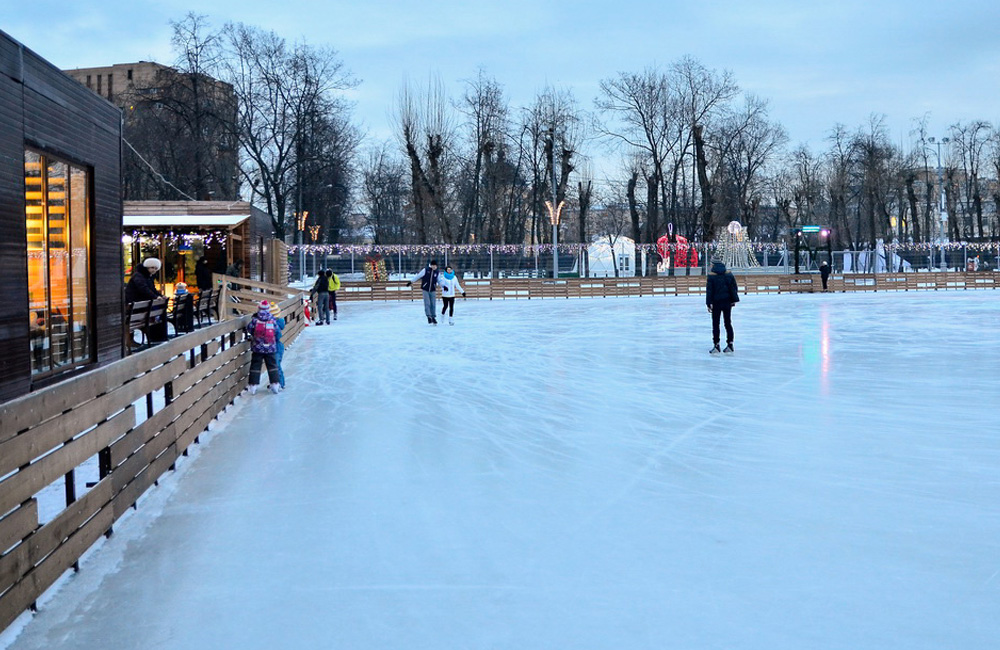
(680, 285)
(135, 417)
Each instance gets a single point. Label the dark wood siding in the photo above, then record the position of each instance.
(43, 108)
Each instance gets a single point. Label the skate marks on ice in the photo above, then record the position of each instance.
(582, 474)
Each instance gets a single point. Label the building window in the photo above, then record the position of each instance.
(57, 216)
(88, 81)
(99, 77)
(130, 74)
(110, 84)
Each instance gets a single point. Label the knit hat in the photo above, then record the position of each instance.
(264, 306)
(275, 310)
(152, 264)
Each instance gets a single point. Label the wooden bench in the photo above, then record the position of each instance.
(136, 316)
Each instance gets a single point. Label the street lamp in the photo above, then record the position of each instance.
(942, 207)
(555, 212)
(301, 217)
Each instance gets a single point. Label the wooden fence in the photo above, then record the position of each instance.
(135, 417)
(527, 288)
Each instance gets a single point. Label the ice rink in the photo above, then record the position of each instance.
(575, 474)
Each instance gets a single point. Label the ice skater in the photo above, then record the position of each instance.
(721, 295)
(449, 283)
(321, 289)
(264, 332)
(824, 274)
(428, 277)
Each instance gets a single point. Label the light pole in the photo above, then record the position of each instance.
(555, 207)
(555, 212)
(301, 223)
(942, 208)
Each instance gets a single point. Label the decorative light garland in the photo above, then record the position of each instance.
(542, 249)
(172, 238)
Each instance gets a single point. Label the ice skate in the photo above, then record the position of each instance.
(274, 388)
(715, 350)
(253, 389)
(451, 321)
(729, 349)
(434, 321)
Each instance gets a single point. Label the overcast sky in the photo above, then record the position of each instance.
(837, 62)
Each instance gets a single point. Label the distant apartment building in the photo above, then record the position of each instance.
(194, 113)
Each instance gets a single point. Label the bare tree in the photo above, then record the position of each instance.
(383, 193)
(426, 133)
(970, 147)
(288, 99)
(182, 123)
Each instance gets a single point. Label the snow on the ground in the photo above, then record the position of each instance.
(582, 474)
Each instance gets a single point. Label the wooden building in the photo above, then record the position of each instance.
(60, 224)
(179, 232)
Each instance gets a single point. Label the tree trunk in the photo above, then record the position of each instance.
(707, 200)
(911, 197)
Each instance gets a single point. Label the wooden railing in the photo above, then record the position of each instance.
(135, 418)
(526, 288)
(241, 296)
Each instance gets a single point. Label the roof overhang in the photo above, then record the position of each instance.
(184, 220)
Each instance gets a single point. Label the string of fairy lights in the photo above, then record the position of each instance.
(174, 238)
(526, 250)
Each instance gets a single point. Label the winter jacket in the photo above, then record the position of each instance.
(428, 278)
(333, 282)
(321, 285)
(824, 271)
(448, 285)
(141, 286)
(264, 333)
(721, 286)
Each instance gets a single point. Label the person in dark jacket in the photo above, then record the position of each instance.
(824, 273)
(428, 277)
(203, 274)
(321, 289)
(721, 295)
(141, 286)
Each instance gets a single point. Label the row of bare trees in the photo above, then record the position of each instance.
(695, 153)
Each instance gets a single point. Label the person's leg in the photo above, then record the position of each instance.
(278, 356)
(727, 312)
(333, 303)
(271, 362)
(433, 310)
(429, 304)
(324, 307)
(716, 313)
(256, 358)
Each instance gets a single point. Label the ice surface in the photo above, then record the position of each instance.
(582, 474)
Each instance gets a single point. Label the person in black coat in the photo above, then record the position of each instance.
(203, 274)
(721, 294)
(824, 273)
(141, 286)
